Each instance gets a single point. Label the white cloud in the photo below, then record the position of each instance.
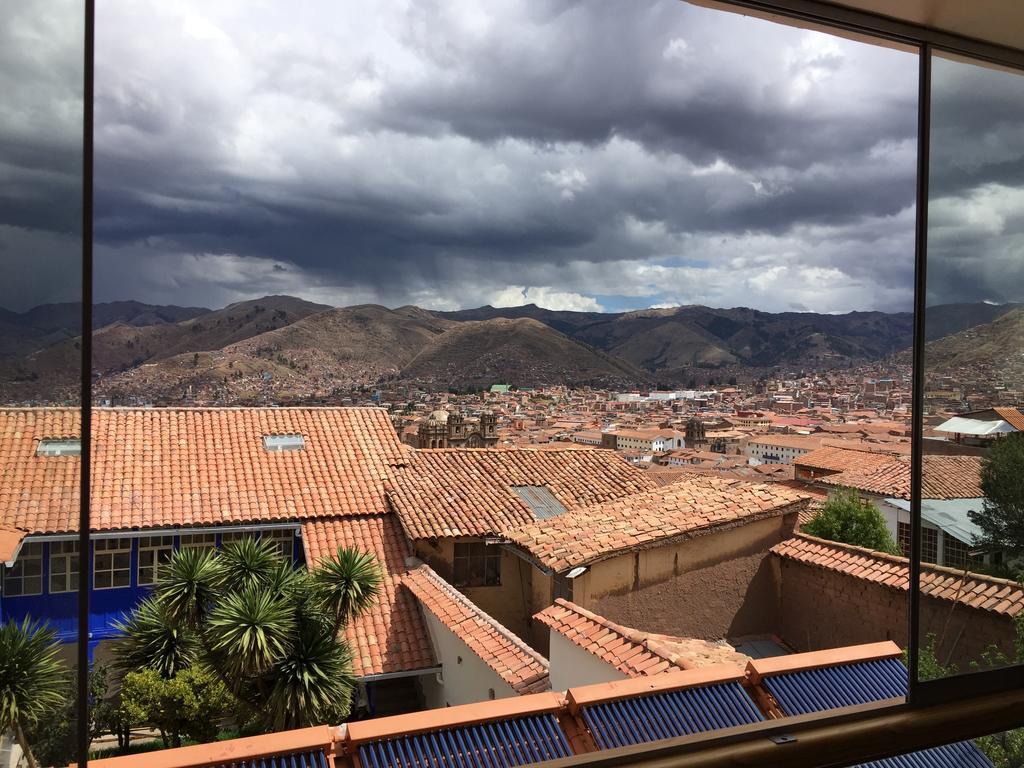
(545, 297)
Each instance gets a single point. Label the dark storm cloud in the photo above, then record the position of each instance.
(40, 152)
(976, 219)
(620, 75)
(450, 154)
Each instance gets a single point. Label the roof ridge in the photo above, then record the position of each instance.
(897, 559)
(454, 594)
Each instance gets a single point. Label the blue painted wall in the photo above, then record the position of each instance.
(105, 605)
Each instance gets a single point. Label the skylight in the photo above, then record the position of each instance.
(540, 500)
(284, 442)
(59, 446)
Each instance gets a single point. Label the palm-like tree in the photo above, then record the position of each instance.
(33, 680)
(347, 584)
(272, 632)
(155, 640)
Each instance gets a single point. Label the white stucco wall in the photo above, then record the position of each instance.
(572, 666)
(466, 678)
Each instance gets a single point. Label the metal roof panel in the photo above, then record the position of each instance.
(496, 744)
(666, 715)
(845, 685)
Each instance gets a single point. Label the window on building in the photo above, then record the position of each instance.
(199, 541)
(53, 446)
(154, 554)
(112, 563)
(25, 577)
(955, 553)
(903, 538)
(232, 536)
(63, 566)
(284, 442)
(477, 565)
(929, 545)
(561, 587)
(283, 540)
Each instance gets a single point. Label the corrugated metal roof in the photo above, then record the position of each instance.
(540, 501)
(496, 744)
(670, 714)
(963, 426)
(951, 515)
(845, 685)
(960, 755)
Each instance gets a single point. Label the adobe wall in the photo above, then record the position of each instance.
(820, 608)
(712, 586)
(510, 603)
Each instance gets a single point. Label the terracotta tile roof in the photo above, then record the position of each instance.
(159, 467)
(943, 477)
(1011, 416)
(977, 591)
(10, 543)
(687, 507)
(525, 670)
(835, 459)
(632, 652)
(390, 636)
(467, 492)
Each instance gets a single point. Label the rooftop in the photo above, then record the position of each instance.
(469, 492)
(942, 477)
(525, 670)
(632, 652)
(164, 467)
(974, 590)
(835, 459)
(389, 636)
(686, 507)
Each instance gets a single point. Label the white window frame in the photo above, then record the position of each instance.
(230, 537)
(284, 442)
(104, 548)
(157, 551)
(29, 559)
(199, 541)
(281, 537)
(64, 564)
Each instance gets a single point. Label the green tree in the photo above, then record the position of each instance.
(268, 631)
(33, 681)
(1001, 517)
(845, 518)
(54, 739)
(189, 705)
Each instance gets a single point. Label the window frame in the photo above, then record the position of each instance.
(230, 537)
(31, 553)
(67, 553)
(885, 719)
(277, 536)
(155, 550)
(486, 558)
(904, 537)
(210, 543)
(107, 550)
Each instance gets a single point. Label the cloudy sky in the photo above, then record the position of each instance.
(598, 155)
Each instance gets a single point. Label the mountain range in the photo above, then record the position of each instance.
(290, 348)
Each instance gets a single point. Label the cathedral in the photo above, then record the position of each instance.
(450, 429)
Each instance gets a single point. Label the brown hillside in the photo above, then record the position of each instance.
(523, 351)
